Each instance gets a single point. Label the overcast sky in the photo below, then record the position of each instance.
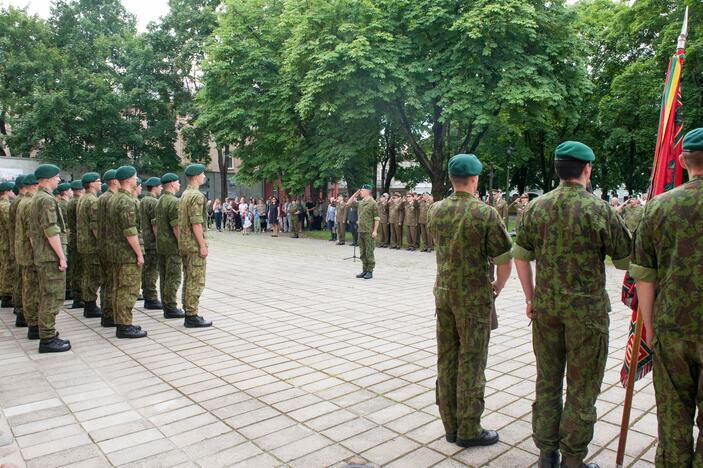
(144, 10)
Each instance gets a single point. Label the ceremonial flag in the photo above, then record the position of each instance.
(667, 173)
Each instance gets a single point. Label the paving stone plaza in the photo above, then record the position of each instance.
(305, 366)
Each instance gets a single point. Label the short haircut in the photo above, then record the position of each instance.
(694, 159)
(569, 168)
(460, 180)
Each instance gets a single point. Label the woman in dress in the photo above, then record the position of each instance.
(273, 214)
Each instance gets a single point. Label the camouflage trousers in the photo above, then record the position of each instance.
(170, 279)
(385, 237)
(396, 235)
(6, 269)
(16, 274)
(678, 387)
(426, 236)
(126, 279)
(107, 288)
(150, 274)
(93, 277)
(296, 225)
(412, 237)
(463, 333)
(341, 228)
(193, 282)
(366, 246)
(52, 291)
(74, 273)
(578, 342)
(30, 294)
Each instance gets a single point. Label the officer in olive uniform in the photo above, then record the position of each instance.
(6, 265)
(150, 272)
(368, 220)
(74, 273)
(167, 246)
(48, 234)
(340, 220)
(500, 205)
(93, 275)
(16, 272)
(294, 210)
(126, 253)
(384, 227)
(395, 221)
(192, 219)
(666, 263)
(568, 232)
(425, 203)
(25, 257)
(410, 220)
(467, 233)
(106, 237)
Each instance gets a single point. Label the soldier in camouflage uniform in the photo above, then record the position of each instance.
(667, 259)
(368, 220)
(192, 219)
(383, 225)
(467, 233)
(340, 220)
(74, 273)
(632, 212)
(126, 253)
(93, 274)
(25, 257)
(15, 271)
(294, 211)
(167, 246)
(48, 234)
(425, 203)
(500, 205)
(6, 265)
(395, 221)
(106, 237)
(568, 232)
(150, 272)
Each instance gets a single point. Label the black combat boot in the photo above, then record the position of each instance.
(153, 304)
(173, 313)
(368, 275)
(548, 459)
(196, 321)
(77, 304)
(54, 345)
(6, 301)
(451, 437)
(129, 331)
(361, 275)
(486, 437)
(20, 322)
(33, 332)
(91, 310)
(107, 322)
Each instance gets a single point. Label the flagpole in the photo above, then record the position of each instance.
(635, 352)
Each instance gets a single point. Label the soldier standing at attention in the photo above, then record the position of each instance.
(294, 210)
(6, 265)
(467, 233)
(167, 245)
(106, 237)
(16, 272)
(410, 220)
(425, 203)
(384, 226)
(568, 232)
(192, 216)
(64, 194)
(150, 272)
(394, 221)
(667, 259)
(340, 220)
(93, 274)
(368, 220)
(126, 253)
(25, 257)
(48, 232)
(74, 273)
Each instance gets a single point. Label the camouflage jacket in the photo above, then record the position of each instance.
(668, 250)
(63, 206)
(71, 217)
(632, 216)
(12, 220)
(467, 234)
(569, 232)
(87, 224)
(123, 220)
(106, 236)
(5, 228)
(23, 246)
(367, 214)
(166, 220)
(191, 210)
(46, 221)
(147, 217)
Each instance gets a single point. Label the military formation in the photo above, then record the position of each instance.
(95, 242)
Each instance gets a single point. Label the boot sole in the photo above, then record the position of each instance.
(62, 350)
(198, 326)
(476, 442)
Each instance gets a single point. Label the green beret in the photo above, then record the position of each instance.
(63, 187)
(77, 184)
(55, 191)
(195, 169)
(693, 141)
(366, 186)
(153, 182)
(168, 177)
(46, 171)
(6, 186)
(103, 187)
(574, 150)
(109, 175)
(89, 177)
(29, 179)
(139, 181)
(464, 165)
(19, 181)
(125, 172)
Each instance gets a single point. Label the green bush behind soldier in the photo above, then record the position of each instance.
(667, 265)
(467, 233)
(192, 216)
(568, 232)
(48, 234)
(106, 237)
(74, 272)
(368, 220)
(16, 273)
(340, 220)
(6, 279)
(150, 272)
(93, 275)
(166, 215)
(24, 256)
